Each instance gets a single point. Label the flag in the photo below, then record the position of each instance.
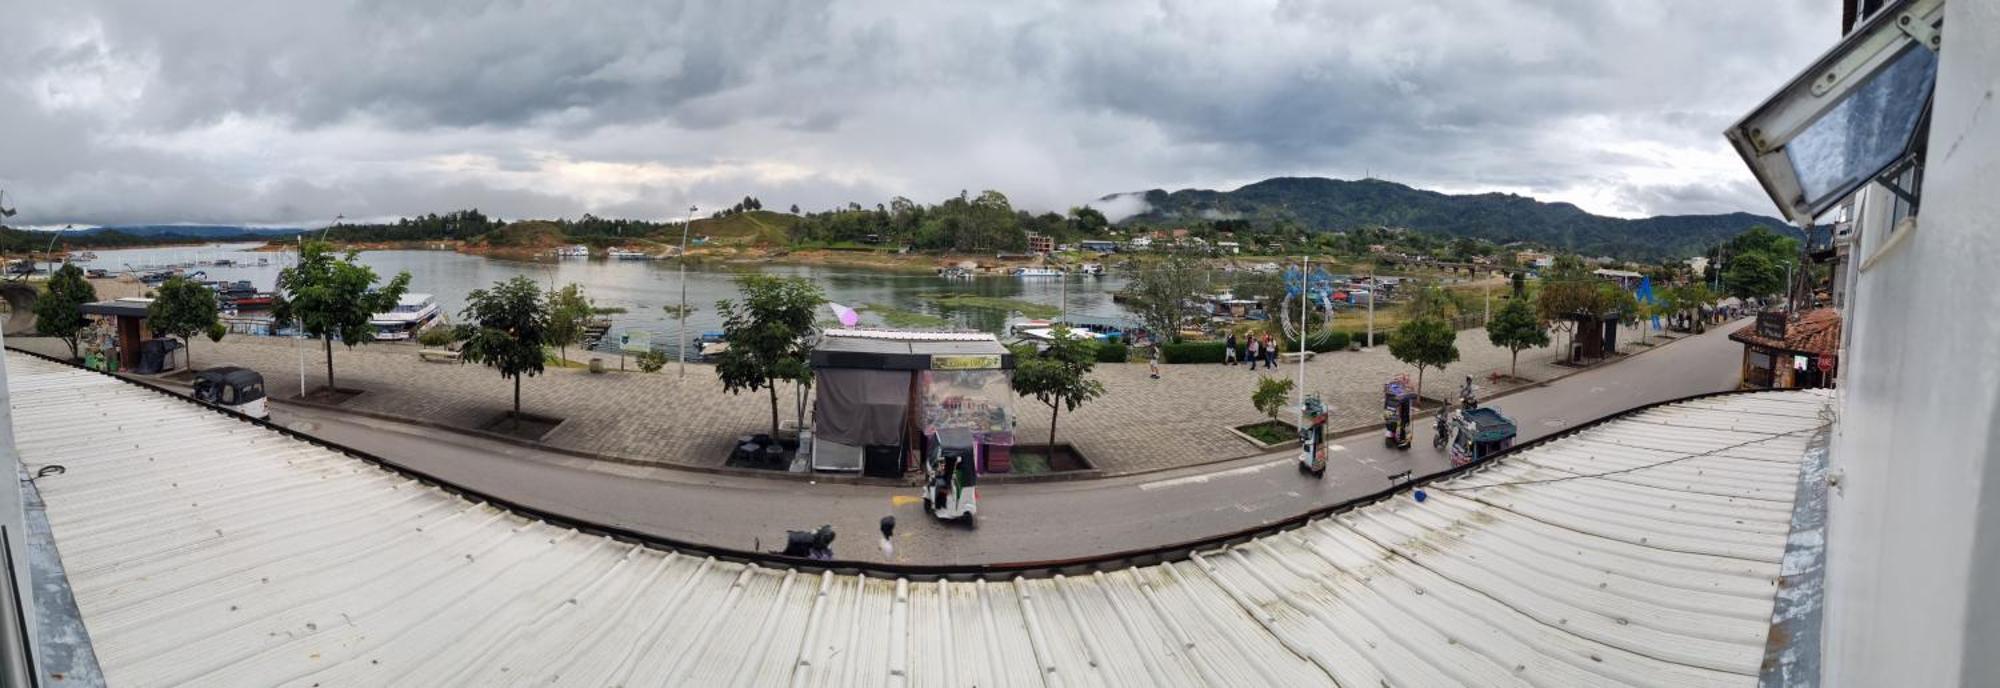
(845, 315)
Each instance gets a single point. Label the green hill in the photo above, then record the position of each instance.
(526, 234)
(762, 227)
(1333, 204)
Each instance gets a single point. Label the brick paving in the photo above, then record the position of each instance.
(1139, 425)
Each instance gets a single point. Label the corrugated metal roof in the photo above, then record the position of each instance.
(913, 335)
(204, 550)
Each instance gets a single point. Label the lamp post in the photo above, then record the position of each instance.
(51, 253)
(329, 226)
(680, 348)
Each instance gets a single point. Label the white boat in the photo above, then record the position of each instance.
(623, 254)
(413, 313)
(1091, 270)
(1037, 272)
(573, 251)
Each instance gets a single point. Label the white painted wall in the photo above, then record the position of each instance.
(1913, 558)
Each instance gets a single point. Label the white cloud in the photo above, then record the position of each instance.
(294, 111)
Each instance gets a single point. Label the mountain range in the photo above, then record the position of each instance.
(1334, 204)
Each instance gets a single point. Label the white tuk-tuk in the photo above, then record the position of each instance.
(950, 482)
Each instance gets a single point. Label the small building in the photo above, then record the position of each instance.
(1041, 243)
(1698, 264)
(1783, 353)
(1098, 245)
(1534, 259)
(1626, 279)
(127, 340)
(1378, 248)
(881, 396)
(1228, 247)
(1140, 243)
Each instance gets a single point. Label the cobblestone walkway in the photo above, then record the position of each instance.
(1139, 425)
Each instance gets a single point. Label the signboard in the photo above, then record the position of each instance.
(635, 341)
(974, 362)
(1771, 325)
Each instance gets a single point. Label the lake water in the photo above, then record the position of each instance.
(643, 288)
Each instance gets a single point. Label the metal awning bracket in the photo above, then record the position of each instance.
(1924, 33)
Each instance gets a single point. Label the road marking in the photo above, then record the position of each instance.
(1205, 477)
(904, 500)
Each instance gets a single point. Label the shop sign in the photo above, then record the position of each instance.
(975, 362)
(1771, 325)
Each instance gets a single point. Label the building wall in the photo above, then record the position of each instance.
(1913, 557)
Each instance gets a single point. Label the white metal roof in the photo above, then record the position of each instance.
(207, 551)
(913, 335)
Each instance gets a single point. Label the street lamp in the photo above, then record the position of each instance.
(329, 226)
(680, 348)
(51, 253)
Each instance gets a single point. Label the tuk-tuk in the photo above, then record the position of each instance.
(1477, 433)
(1399, 400)
(237, 389)
(950, 483)
(1312, 437)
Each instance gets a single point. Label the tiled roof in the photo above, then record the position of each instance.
(208, 551)
(1816, 331)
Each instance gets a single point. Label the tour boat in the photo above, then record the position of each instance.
(413, 313)
(573, 251)
(1037, 272)
(1092, 269)
(623, 254)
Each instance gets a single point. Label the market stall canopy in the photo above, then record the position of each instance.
(910, 350)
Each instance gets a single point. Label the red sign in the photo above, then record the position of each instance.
(1826, 363)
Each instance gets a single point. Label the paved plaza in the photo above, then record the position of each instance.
(1140, 424)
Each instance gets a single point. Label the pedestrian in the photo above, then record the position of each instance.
(1251, 353)
(1154, 366)
(1229, 350)
(888, 532)
(1270, 351)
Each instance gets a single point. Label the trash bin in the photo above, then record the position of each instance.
(596, 364)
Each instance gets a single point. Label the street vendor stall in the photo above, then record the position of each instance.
(883, 397)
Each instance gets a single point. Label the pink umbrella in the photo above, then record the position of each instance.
(846, 315)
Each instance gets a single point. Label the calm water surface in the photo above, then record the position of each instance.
(643, 288)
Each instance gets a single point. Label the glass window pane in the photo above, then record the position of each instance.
(1865, 132)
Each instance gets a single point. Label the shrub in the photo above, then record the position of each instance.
(651, 361)
(1113, 351)
(1191, 352)
(1381, 337)
(435, 337)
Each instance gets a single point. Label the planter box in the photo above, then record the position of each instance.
(1278, 446)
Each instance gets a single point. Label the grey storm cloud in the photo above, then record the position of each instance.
(290, 111)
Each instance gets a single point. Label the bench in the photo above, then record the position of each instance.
(438, 355)
(1293, 356)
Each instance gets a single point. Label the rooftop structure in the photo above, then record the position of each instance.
(211, 551)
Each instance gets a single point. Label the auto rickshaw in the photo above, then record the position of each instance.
(1477, 433)
(1312, 437)
(1399, 400)
(237, 389)
(950, 484)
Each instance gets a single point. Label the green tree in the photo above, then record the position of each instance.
(330, 296)
(1161, 291)
(511, 325)
(1430, 301)
(59, 313)
(1519, 282)
(1273, 395)
(1059, 375)
(1424, 343)
(570, 312)
(1752, 275)
(1515, 328)
(768, 335)
(183, 308)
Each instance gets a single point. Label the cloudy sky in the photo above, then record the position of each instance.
(294, 111)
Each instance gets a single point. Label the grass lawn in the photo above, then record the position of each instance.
(994, 303)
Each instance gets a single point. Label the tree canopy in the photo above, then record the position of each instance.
(510, 326)
(1515, 328)
(1160, 291)
(1424, 343)
(183, 308)
(769, 335)
(332, 296)
(570, 312)
(1058, 375)
(59, 313)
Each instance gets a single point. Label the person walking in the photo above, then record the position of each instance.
(1153, 367)
(1229, 350)
(1270, 352)
(887, 544)
(1251, 352)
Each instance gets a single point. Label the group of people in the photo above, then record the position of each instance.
(1252, 349)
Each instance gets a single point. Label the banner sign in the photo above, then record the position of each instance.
(976, 362)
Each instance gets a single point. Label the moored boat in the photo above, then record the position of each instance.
(412, 314)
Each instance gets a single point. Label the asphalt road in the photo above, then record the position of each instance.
(1017, 522)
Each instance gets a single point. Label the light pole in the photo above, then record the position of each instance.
(680, 348)
(51, 253)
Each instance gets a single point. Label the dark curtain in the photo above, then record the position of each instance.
(860, 407)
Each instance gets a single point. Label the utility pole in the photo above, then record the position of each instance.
(1370, 344)
(297, 259)
(1488, 322)
(680, 349)
(1305, 294)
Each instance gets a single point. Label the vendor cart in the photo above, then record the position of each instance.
(1312, 437)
